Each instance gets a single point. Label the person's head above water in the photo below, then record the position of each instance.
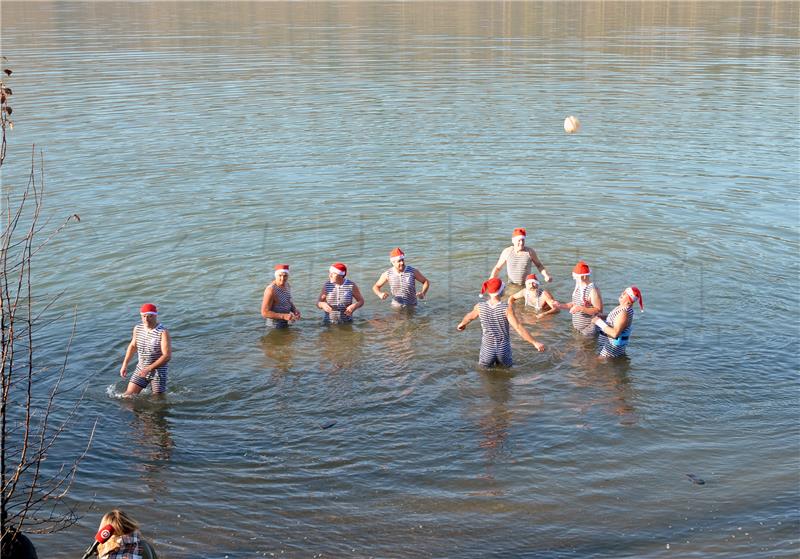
(581, 271)
(494, 286)
(281, 273)
(398, 259)
(518, 238)
(531, 281)
(149, 314)
(337, 272)
(630, 296)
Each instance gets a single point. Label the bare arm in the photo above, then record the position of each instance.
(539, 265)
(500, 263)
(512, 320)
(613, 331)
(595, 306)
(166, 355)
(358, 304)
(469, 317)
(322, 301)
(266, 307)
(517, 296)
(128, 354)
(550, 302)
(376, 289)
(425, 284)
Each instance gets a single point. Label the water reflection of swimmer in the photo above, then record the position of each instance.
(496, 316)
(536, 298)
(339, 297)
(517, 259)
(277, 304)
(402, 280)
(496, 422)
(278, 346)
(340, 347)
(612, 377)
(155, 443)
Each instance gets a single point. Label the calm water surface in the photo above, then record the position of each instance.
(201, 143)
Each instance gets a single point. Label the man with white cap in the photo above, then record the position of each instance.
(152, 343)
(339, 297)
(496, 316)
(402, 280)
(277, 304)
(517, 259)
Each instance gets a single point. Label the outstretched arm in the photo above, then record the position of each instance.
(469, 317)
(512, 320)
(550, 302)
(539, 265)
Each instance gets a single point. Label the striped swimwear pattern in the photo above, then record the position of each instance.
(339, 297)
(282, 303)
(495, 341)
(611, 347)
(518, 265)
(403, 285)
(533, 298)
(582, 322)
(148, 346)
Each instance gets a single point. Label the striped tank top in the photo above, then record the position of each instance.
(615, 347)
(403, 285)
(581, 321)
(339, 297)
(495, 341)
(533, 298)
(281, 303)
(518, 266)
(148, 346)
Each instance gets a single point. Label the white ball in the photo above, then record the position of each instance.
(572, 124)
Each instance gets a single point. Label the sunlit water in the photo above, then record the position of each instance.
(203, 143)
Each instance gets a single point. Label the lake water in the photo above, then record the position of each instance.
(202, 143)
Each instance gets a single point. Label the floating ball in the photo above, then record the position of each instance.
(572, 124)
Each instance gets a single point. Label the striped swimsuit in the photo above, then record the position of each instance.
(615, 347)
(148, 346)
(533, 298)
(282, 303)
(518, 265)
(582, 322)
(403, 285)
(495, 341)
(339, 297)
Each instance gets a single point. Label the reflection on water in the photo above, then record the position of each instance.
(153, 443)
(278, 345)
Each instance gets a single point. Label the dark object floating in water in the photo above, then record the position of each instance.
(328, 425)
(696, 480)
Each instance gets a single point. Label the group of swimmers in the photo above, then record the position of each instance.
(340, 297)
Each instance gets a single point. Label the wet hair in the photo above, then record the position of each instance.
(122, 523)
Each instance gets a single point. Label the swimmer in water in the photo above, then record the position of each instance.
(615, 330)
(496, 316)
(339, 297)
(586, 300)
(402, 280)
(517, 259)
(152, 343)
(277, 304)
(536, 298)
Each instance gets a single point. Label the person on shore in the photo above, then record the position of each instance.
(402, 280)
(339, 297)
(496, 316)
(586, 300)
(517, 259)
(536, 298)
(277, 304)
(615, 330)
(152, 343)
(126, 542)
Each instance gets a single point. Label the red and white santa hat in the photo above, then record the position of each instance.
(148, 308)
(531, 279)
(396, 255)
(634, 294)
(281, 269)
(519, 233)
(338, 268)
(581, 269)
(494, 286)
